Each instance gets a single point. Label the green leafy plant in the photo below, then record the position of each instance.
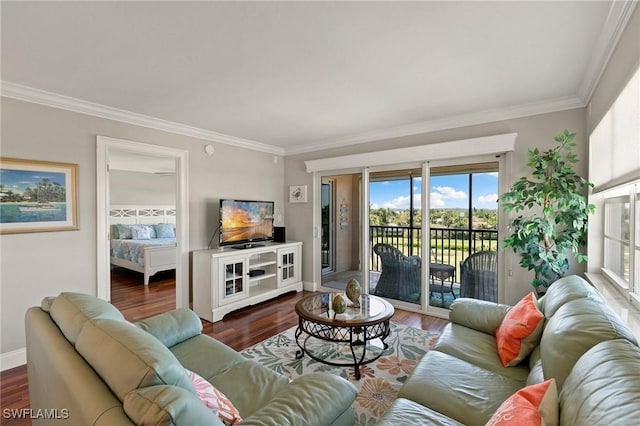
(555, 197)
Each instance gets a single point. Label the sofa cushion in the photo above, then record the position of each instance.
(167, 405)
(531, 406)
(128, 358)
(230, 372)
(477, 348)
(406, 412)
(478, 314)
(564, 290)
(519, 331)
(311, 399)
(536, 374)
(603, 387)
(70, 312)
(458, 389)
(575, 328)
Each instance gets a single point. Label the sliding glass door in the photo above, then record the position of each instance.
(421, 236)
(463, 222)
(395, 233)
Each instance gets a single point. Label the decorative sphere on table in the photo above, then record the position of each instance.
(353, 291)
(339, 304)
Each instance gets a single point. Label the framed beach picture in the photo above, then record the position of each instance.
(37, 196)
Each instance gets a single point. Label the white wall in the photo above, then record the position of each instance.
(535, 131)
(36, 265)
(623, 62)
(141, 188)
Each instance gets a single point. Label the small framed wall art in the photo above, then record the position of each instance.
(298, 194)
(37, 196)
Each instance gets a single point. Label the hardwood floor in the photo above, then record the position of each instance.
(238, 330)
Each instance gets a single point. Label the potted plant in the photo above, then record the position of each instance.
(554, 195)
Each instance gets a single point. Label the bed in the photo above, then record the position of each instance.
(143, 238)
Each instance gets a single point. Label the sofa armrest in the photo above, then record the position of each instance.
(478, 314)
(172, 327)
(313, 399)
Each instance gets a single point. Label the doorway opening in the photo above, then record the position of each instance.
(340, 230)
(176, 171)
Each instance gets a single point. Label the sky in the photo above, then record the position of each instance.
(450, 191)
(19, 180)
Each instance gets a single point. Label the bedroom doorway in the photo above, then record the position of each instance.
(121, 161)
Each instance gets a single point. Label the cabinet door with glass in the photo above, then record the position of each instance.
(288, 266)
(233, 277)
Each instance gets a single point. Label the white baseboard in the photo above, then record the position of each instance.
(13, 359)
(309, 285)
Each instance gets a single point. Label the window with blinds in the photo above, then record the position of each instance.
(614, 169)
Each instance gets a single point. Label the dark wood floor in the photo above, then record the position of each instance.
(238, 330)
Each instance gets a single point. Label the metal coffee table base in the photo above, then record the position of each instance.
(356, 336)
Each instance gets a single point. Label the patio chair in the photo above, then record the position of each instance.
(400, 277)
(479, 276)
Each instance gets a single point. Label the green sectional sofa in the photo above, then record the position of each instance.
(590, 352)
(85, 361)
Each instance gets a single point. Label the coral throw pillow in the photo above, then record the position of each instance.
(214, 399)
(520, 331)
(533, 405)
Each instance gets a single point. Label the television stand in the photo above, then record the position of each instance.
(247, 246)
(225, 280)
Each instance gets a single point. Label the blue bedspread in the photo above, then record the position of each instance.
(133, 250)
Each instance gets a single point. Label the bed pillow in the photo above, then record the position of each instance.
(124, 231)
(520, 331)
(164, 230)
(141, 232)
(115, 235)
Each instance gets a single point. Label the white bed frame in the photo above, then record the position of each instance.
(156, 259)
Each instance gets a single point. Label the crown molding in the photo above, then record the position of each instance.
(488, 116)
(37, 96)
(29, 94)
(619, 15)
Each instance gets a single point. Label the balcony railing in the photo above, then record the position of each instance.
(447, 245)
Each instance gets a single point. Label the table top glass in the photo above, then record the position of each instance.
(317, 308)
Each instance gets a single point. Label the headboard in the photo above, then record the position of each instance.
(130, 214)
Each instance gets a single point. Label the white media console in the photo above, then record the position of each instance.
(227, 279)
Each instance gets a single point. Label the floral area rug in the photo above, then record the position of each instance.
(380, 380)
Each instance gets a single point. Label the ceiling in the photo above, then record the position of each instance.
(291, 77)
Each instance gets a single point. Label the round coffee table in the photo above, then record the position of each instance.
(357, 327)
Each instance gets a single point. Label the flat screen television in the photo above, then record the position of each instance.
(243, 222)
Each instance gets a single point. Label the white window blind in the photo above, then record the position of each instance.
(614, 145)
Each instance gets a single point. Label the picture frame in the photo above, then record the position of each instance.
(298, 194)
(37, 196)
